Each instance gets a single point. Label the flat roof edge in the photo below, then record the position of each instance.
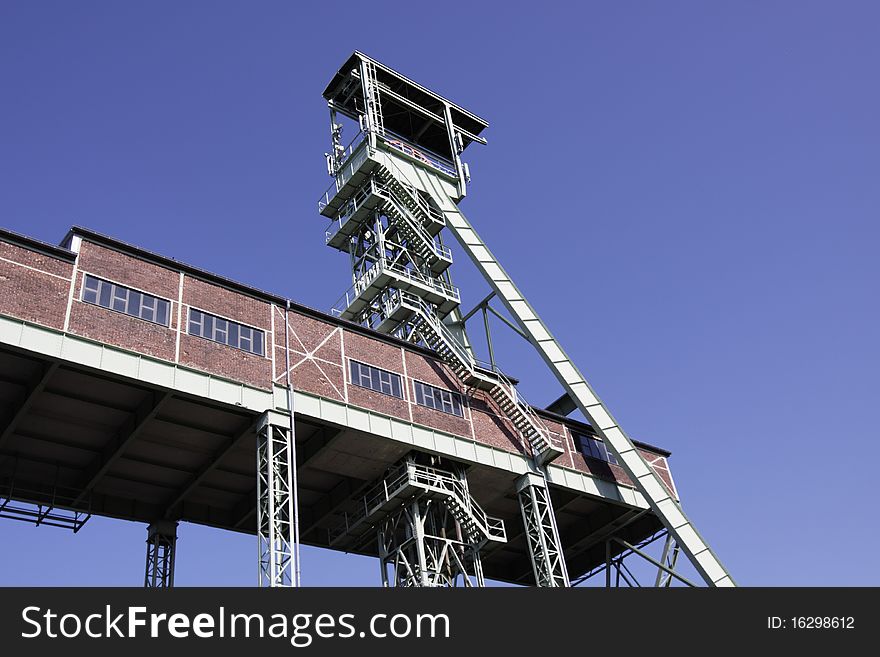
(357, 53)
(33, 243)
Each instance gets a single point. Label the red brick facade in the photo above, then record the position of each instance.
(37, 287)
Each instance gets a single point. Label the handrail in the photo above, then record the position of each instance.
(440, 250)
(375, 186)
(383, 265)
(402, 178)
(434, 477)
(422, 155)
(471, 363)
(346, 169)
(423, 476)
(349, 150)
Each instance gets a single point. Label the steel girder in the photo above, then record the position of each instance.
(542, 534)
(161, 547)
(275, 507)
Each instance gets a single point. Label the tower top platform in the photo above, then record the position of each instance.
(411, 110)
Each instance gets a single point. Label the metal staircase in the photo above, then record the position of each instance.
(407, 481)
(386, 191)
(438, 336)
(402, 287)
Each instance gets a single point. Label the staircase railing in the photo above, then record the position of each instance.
(496, 378)
(426, 478)
(491, 528)
(384, 265)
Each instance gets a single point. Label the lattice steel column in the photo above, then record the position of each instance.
(423, 544)
(542, 535)
(161, 545)
(275, 507)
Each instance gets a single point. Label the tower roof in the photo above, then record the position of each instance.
(410, 110)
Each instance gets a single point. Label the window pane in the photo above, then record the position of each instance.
(124, 300)
(148, 308)
(245, 339)
(373, 378)
(445, 401)
(91, 285)
(220, 332)
(195, 322)
(162, 312)
(234, 335)
(90, 290)
(134, 303)
(258, 342)
(104, 294)
(120, 298)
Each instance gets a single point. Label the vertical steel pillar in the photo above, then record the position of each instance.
(275, 507)
(161, 545)
(425, 544)
(542, 534)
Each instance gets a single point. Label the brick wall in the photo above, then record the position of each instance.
(320, 351)
(35, 287)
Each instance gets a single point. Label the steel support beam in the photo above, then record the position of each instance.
(542, 534)
(209, 467)
(129, 430)
(276, 517)
(31, 392)
(161, 547)
(661, 500)
(422, 545)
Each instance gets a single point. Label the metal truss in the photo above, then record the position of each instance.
(617, 568)
(390, 256)
(53, 512)
(422, 544)
(275, 502)
(542, 534)
(161, 547)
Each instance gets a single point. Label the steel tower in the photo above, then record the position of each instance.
(396, 186)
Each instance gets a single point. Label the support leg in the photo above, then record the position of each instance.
(275, 508)
(542, 534)
(422, 546)
(161, 546)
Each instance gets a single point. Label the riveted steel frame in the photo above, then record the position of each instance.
(541, 532)
(422, 545)
(275, 503)
(161, 548)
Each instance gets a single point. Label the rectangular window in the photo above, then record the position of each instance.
(445, 401)
(367, 376)
(594, 448)
(125, 300)
(225, 331)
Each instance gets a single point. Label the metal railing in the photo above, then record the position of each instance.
(387, 194)
(446, 482)
(440, 250)
(353, 160)
(383, 265)
(430, 212)
(353, 157)
(411, 474)
(422, 155)
(497, 376)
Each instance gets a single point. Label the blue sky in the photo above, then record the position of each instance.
(686, 191)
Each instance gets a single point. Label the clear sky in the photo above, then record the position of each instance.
(686, 191)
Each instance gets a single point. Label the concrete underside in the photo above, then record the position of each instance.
(85, 439)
